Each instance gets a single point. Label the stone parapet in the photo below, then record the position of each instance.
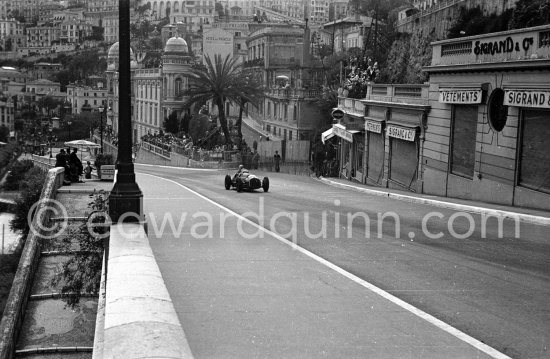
(140, 319)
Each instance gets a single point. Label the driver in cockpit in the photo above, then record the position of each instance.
(239, 171)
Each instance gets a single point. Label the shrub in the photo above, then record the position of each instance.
(103, 159)
(81, 274)
(31, 186)
(16, 173)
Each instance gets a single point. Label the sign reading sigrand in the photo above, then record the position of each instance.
(524, 98)
(502, 46)
(460, 96)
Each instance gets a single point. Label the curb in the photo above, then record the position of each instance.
(529, 218)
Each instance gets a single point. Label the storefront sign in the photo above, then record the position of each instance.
(524, 98)
(373, 126)
(502, 46)
(341, 132)
(460, 96)
(401, 133)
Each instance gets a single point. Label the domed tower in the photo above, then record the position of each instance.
(176, 62)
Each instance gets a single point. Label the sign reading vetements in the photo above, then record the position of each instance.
(460, 96)
(401, 133)
(373, 126)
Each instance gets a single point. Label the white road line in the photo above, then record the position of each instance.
(408, 307)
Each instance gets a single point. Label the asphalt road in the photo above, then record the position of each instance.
(491, 282)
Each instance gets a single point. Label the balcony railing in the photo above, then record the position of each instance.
(410, 94)
(293, 93)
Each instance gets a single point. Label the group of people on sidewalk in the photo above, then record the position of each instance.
(74, 170)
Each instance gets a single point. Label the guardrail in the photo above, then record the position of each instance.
(156, 149)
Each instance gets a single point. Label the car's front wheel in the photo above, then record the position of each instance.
(265, 184)
(240, 185)
(227, 182)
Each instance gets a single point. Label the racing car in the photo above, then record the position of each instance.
(246, 180)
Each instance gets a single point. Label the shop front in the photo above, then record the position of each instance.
(404, 156)
(375, 138)
(487, 135)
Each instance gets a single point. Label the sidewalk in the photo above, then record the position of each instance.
(524, 214)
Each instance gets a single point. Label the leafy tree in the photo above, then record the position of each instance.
(220, 81)
(19, 125)
(251, 85)
(171, 123)
(143, 9)
(156, 43)
(369, 7)
(186, 119)
(473, 22)
(97, 33)
(326, 102)
(4, 133)
(198, 126)
(31, 186)
(219, 9)
(49, 104)
(529, 13)
(17, 15)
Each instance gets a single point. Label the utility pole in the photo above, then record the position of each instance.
(375, 50)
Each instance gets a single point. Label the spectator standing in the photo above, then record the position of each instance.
(256, 159)
(76, 166)
(61, 161)
(277, 160)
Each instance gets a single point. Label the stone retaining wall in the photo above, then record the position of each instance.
(14, 311)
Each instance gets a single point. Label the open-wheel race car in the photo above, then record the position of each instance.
(246, 181)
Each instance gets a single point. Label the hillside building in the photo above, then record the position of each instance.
(279, 58)
(478, 130)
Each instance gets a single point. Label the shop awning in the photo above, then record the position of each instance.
(341, 132)
(326, 135)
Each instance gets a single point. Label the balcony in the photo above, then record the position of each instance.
(415, 94)
(291, 93)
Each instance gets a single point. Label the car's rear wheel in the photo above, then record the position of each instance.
(240, 185)
(227, 182)
(265, 184)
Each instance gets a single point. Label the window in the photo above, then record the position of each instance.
(534, 166)
(463, 140)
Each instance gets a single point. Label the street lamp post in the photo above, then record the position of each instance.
(101, 110)
(50, 138)
(125, 199)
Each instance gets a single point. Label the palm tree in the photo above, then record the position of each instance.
(221, 81)
(251, 84)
